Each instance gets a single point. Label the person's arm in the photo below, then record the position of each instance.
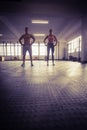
(56, 41)
(33, 39)
(20, 40)
(45, 40)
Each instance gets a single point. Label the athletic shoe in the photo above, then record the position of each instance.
(32, 65)
(23, 65)
(53, 64)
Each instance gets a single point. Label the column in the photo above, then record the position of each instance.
(84, 39)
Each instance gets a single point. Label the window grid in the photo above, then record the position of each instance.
(15, 49)
(74, 45)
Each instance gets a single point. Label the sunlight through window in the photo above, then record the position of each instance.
(74, 45)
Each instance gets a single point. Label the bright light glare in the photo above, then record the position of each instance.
(1, 35)
(40, 21)
(39, 34)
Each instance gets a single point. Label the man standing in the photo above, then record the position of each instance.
(50, 41)
(28, 40)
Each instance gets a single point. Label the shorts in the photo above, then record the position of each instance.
(27, 48)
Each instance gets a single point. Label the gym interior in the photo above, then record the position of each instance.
(43, 97)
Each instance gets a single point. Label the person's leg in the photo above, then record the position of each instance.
(52, 54)
(30, 53)
(23, 64)
(48, 50)
(24, 54)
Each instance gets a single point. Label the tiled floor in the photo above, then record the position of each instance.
(43, 97)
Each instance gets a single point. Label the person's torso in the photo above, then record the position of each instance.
(27, 38)
(51, 39)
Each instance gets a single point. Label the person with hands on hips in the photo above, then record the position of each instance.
(26, 40)
(50, 41)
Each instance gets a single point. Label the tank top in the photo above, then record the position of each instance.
(51, 38)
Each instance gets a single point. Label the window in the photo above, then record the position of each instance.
(1, 49)
(35, 49)
(15, 49)
(74, 45)
(42, 49)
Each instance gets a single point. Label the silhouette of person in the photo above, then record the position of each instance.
(26, 40)
(50, 41)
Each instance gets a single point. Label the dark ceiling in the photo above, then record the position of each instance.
(64, 18)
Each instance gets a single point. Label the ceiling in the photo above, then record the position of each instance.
(64, 18)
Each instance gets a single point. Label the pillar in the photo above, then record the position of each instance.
(84, 39)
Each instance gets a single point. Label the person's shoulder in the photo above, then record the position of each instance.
(50, 35)
(22, 35)
(54, 35)
(47, 35)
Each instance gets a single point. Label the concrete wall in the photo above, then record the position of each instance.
(62, 50)
(84, 39)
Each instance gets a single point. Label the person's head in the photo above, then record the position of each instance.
(26, 29)
(50, 31)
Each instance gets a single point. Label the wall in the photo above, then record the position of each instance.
(62, 50)
(84, 39)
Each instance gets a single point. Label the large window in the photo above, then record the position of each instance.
(1, 49)
(42, 49)
(15, 49)
(74, 45)
(35, 48)
(8, 49)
